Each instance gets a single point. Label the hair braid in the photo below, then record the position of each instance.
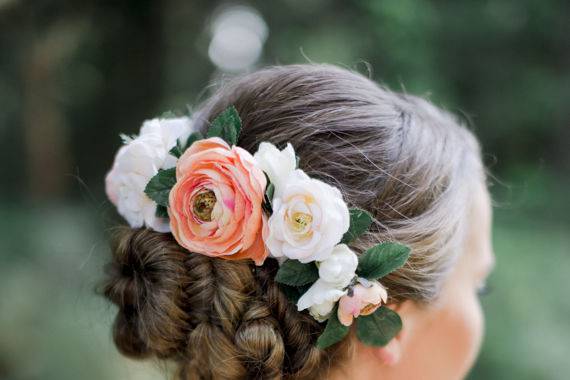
(144, 281)
(219, 319)
(217, 294)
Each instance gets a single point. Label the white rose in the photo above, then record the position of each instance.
(340, 267)
(136, 163)
(320, 299)
(309, 218)
(277, 164)
(169, 130)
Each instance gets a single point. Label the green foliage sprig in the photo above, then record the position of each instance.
(227, 125)
(376, 329)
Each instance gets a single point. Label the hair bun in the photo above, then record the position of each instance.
(144, 280)
(218, 319)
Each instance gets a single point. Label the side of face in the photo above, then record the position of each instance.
(445, 338)
(439, 341)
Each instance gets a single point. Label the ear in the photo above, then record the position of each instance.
(390, 355)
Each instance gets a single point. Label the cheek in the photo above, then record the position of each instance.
(464, 324)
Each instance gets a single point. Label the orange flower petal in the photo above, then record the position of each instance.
(237, 228)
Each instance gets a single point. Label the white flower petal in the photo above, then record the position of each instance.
(318, 294)
(322, 205)
(136, 163)
(275, 163)
(340, 267)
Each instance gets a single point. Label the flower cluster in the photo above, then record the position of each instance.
(219, 200)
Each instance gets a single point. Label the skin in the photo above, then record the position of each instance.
(439, 341)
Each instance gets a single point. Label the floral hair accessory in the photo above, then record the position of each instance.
(345, 286)
(219, 200)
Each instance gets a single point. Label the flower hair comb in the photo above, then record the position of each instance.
(219, 200)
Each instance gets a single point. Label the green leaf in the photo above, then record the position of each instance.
(267, 207)
(192, 139)
(267, 199)
(161, 211)
(179, 149)
(378, 328)
(226, 125)
(334, 331)
(295, 273)
(360, 221)
(382, 259)
(159, 186)
(270, 191)
(293, 293)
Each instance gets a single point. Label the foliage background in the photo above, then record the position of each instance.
(75, 74)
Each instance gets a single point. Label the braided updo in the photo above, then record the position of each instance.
(219, 319)
(408, 163)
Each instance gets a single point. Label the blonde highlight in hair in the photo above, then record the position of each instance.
(410, 164)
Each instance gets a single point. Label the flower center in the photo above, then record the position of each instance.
(368, 309)
(301, 221)
(203, 205)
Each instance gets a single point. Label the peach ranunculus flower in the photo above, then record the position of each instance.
(363, 301)
(215, 207)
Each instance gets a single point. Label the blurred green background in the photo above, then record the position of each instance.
(73, 74)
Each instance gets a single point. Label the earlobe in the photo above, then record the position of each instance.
(391, 354)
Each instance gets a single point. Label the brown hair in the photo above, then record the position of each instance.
(407, 162)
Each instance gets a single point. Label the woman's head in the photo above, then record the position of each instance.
(411, 165)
